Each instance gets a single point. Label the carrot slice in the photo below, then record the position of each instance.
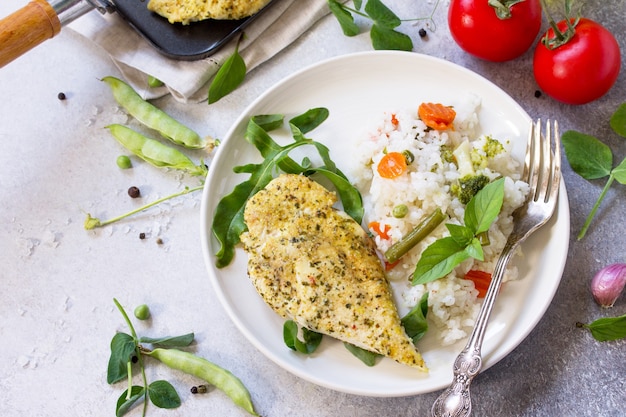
(481, 280)
(392, 165)
(375, 226)
(436, 115)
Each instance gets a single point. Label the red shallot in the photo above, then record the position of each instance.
(608, 283)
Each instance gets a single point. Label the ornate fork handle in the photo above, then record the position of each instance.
(455, 401)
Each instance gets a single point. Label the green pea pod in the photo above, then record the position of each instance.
(152, 116)
(154, 152)
(208, 371)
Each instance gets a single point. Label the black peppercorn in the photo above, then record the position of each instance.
(61, 96)
(537, 93)
(142, 235)
(422, 33)
(134, 192)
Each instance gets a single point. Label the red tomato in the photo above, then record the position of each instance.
(581, 70)
(477, 29)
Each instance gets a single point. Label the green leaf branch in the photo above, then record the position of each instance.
(384, 34)
(592, 159)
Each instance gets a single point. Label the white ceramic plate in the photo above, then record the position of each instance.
(357, 89)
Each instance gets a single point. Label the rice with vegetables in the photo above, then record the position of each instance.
(399, 194)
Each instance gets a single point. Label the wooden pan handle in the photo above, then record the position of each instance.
(27, 28)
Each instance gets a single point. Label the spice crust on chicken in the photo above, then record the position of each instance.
(188, 11)
(315, 265)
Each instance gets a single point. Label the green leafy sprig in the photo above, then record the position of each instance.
(125, 351)
(228, 222)
(384, 23)
(592, 159)
(230, 75)
(607, 328)
(442, 256)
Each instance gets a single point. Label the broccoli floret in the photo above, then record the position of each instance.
(492, 147)
(468, 186)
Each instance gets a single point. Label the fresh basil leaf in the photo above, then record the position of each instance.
(367, 357)
(269, 122)
(461, 234)
(122, 348)
(308, 345)
(619, 172)
(608, 328)
(484, 207)
(310, 119)
(384, 38)
(414, 322)
(125, 404)
(230, 75)
(588, 157)
(163, 394)
(438, 260)
(170, 341)
(381, 14)
(344, 17)
(475, 249)
(618, 120)
(350, 196)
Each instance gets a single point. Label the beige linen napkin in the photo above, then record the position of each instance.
(277, 27)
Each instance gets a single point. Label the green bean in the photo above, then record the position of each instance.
(154, 152)
(423, 229)
(152, 116)
(207, 371)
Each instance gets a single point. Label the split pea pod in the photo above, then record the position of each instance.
(152, 116)
(215, 375)
(423, 229)
(154, 152)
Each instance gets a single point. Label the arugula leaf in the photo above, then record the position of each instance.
(228, 221)
(414, 322)
(618, 120)
(230, 75)
(126, 402)
(163, 394)
(310, 119)
(445, 254)
(367, 357)
(122, 348)
(308, 345)
(269, 122)
(169, 341)
(588, 157)
(608, 328)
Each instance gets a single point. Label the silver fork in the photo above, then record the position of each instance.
(542, 171)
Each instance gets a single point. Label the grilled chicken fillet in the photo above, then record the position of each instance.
(317, 266)
(187, 11)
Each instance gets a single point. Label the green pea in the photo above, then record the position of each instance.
(142, 312)
(154, 152)
(154, 82)
(152, 116)
(215, 375)
(123, 162)
(400, 211)
(408, 156)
